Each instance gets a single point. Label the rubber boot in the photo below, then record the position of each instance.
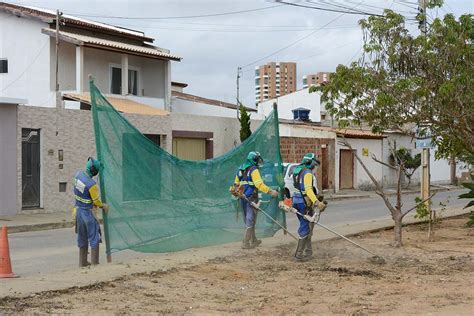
(255, 242)
(247, 238)
(95, 255)
(300, 248)
(308, 250)
(83, 251)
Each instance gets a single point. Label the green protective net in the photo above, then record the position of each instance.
(159, 203)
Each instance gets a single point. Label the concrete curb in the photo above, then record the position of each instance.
(373, 195)
(348, 197)
(39, 227)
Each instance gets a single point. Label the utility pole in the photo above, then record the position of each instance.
(425, 158)
(239, 71)
(422, 14)
(58, 99)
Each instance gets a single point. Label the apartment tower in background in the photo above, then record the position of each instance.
(315, 80)
(273, 80)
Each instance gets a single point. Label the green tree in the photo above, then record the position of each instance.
(244, 120)
(410, 163)
(404, 82)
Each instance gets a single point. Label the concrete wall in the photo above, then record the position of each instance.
(75, 137)
(297, 140)
(440, 170)
(361, 179)
(201, 109)
(28, 54)
(293, 130)
(226, 131)
(286, 103)
(8, 159)
(294, 148)
(153, 76)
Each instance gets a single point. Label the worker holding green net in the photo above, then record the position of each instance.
(86, 193)
(247, 183)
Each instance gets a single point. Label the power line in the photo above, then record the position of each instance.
(314, 55)
(299, 40)
(347, 11)
(293, 43)
(237, 30)
(176, 17)
(383, 8)
(334, 4)
(238, 25)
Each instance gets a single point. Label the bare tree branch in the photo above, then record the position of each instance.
(414, 207)
(383, 163)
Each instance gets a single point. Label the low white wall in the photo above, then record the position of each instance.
(301, 98)
(361, 179)
(293, 130)
(201, 109)
(440, 170)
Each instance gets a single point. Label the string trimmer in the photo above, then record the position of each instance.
(315, 219)
(257, 207)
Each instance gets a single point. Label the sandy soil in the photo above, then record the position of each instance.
(420, 278)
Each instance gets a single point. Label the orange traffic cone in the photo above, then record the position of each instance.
(5, 263)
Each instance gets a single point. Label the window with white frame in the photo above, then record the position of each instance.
(116, 81)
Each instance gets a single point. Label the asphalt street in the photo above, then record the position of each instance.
(56, 250)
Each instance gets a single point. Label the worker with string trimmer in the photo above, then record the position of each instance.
(305, 200)
(247, 183)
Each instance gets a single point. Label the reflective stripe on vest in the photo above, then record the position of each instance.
(247, 182)
(85, 201)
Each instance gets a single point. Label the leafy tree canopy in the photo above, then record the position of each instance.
(406, 82)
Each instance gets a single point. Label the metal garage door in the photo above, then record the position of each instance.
(189, 148)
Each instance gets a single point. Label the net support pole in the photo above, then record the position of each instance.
(280, 166)
(95, 119)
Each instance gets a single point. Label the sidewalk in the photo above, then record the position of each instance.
(34, 222)
(163, 262)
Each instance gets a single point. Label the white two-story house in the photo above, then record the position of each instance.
(122, 62)
(46, 136)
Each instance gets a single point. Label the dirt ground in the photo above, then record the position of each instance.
(420, 278)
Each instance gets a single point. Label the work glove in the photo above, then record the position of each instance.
(105, 207)
(273, 193)
(321, 206)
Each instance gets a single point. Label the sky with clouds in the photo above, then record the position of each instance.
(213, 47)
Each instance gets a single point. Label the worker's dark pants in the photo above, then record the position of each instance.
(88, 229)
